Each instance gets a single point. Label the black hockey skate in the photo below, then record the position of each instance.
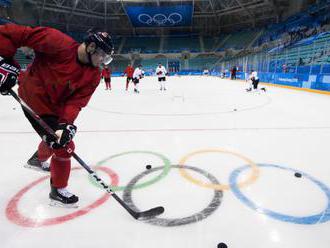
(62, 198)
(36, 164)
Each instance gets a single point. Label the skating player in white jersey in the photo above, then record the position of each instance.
(254, 80)
(137, 75)
(161, 73)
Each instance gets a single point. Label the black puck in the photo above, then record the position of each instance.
(297, 174)
(148, 166)
(235, 109)
(222, 245)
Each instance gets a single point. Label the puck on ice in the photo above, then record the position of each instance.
(235, 109)
(222, 245)
(297, 174)
(148, 166)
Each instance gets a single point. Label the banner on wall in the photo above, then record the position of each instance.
(173, 16)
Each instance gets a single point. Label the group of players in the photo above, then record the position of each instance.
(135, 75)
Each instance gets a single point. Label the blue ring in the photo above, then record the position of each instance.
(322, 217)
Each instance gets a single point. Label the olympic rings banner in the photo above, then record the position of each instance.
(173, 16)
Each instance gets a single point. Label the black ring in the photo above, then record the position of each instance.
(214, 204)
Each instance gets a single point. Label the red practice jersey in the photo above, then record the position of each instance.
(56, 83)
(106, 73)
(129, 71)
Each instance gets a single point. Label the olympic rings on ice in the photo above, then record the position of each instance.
(14, 215)
(160, 19)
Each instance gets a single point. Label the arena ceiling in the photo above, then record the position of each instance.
(209, 16)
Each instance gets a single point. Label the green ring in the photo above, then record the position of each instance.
(167, 167)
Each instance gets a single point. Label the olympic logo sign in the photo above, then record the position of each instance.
(160, 19)
(14, 215)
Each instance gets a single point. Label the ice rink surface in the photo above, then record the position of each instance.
(223, 164)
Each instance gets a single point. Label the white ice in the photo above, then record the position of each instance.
(283, 127)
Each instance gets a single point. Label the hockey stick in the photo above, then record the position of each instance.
(137, 215)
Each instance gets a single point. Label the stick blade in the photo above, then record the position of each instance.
(151, 213)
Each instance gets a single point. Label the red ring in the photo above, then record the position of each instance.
(16, 217)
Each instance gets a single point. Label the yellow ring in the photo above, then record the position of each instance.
(252, 178)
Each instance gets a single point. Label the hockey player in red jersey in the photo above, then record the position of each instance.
(57, 85)
(129, 73)
(106, 75)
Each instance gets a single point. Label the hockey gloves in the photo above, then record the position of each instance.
(64, 132)
(8, 75)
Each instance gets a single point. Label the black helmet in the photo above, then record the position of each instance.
(102, 41)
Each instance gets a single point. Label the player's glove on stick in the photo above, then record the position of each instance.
(8, 75)
(64, 132)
